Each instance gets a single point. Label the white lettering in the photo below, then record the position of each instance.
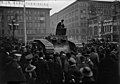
(21, 4)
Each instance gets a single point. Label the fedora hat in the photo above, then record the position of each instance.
(29, 56)
(86, 71)
(16, 53)
(30, 68)
(72, 61)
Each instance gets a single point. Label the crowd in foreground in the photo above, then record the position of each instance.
(96, 63)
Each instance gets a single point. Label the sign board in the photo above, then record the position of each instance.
(30, 4)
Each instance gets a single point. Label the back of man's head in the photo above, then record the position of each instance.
(62, 20)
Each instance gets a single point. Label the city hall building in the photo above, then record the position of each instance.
(36, 21)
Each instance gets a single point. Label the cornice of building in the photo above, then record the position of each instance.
(20, 4)
(96, 1)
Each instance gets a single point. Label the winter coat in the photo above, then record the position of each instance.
(14, 72)
(41, 71)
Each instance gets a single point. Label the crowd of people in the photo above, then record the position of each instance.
(94, 63)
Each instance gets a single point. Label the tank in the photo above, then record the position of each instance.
(60, 42)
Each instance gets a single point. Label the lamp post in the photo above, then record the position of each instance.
(25, 34)
(13, 26)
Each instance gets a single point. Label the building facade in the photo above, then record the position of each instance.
(83, 17)
(110, 28)
(100, 13)
(75, 19)
(37, 19)
(116, 21)
(53, 23)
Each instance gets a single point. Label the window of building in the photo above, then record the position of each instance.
(21, 12)
(26, 17)
(36, 31)
(110, 28)
(43, 25)
(83, 24)
(42, 20)
(95, 30)
(8, 11)
(83, 11)
(26, 11)
(28, 32)
(76, 18)
(114, 28)
(104, 28)
(42, 31)
(21, 17)
(11, 11)
(27, 25)
(77, 31)
(77, 24)
(22, 31)
(72, 19)
(35, 18)
(38, 12)
(12, 17)
(30, 24)
(18, 17)
(69, 31)
(33, 31)
(74, 25)
(35, 12)
(38, 25)
(42, 14)
(95, 21)
(19, 31)
(76, 6)
(30, 17)
(39, 30)
(73, 31)
(114, 18)
(17, 11)
(38, 18)
(8, 18)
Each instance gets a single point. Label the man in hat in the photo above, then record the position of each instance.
(41, 69)
(60, 30)
(73, 75)
(60, 24)
(14, 73)
(5, 59)
(95, 59)
(30, 72)
(87, 75)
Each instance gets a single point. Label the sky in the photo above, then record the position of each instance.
(58, 5)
